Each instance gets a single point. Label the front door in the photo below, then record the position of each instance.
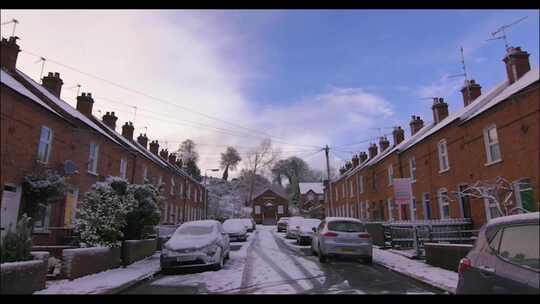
(269, 214)
(11, 199)
(465, 203)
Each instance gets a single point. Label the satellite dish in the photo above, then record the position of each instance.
(69, 167)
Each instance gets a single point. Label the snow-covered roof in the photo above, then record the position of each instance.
(274, 188)
(65, 106)
(481, 104)
(12, 83)
(316, 187)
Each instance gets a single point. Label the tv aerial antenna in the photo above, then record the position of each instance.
(15, 22)
(464, 74)
(502, 32)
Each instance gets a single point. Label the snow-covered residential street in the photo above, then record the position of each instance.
(267, 263)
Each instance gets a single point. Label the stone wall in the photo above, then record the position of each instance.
(24, 277)
(135, 250)
(84, 261)
(446, 256)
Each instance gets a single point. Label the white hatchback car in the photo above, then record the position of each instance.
(197, 243)
(342, 236)
(293, 226)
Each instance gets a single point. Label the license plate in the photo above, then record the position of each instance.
(184, 258)
(347, 250)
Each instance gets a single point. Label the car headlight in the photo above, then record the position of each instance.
(210, 250)
(167, 252)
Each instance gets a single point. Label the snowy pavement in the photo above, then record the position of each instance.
(106, 282)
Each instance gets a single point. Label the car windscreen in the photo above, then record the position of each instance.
(310, 223)
(233, 225)
(346, 226)
(194, 230)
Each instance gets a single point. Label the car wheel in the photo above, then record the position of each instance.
(219, 264)
(313, 250)
(323, 258)
(368, 260)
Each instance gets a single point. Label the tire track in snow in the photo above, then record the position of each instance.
(248, 268)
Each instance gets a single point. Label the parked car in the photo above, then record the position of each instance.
(293, 226)
(235, 229)
(282, 224)
(305, 233)
(197, 243)
(342, 237)
(248, 223)
(505, 258)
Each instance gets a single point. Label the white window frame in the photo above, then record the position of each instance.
(390, 174)
(280, 209)
(488, 145)
(93, 158)
(390, 209)
(488, 205)
(172, 185)
(412, 169)
(257, 209)
(360, 184)
(45, 144)
(426, 203)
(351, 194)
(413, 208)
(123, 168)
(343, 195)
(442, 148)
(145, 173)
(443, 201)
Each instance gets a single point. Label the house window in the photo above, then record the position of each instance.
(45, 144)
(390, 175)
(123, 168)
(524, 194)
(427, 206)
(145, 174)
(491, 141)
(492, 210)
(412, 168)
(160, 180)
(360, 184)
(337, 194)
(172, 185)
(443, 156)
(390, 209)
(351, 194)
(257, 209)
(70, 207)
(343, 190)
(93, 158)
(43, 218)
(280, 209)
(444, 203)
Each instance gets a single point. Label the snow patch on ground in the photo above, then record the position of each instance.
(107, 281)
(438, 277)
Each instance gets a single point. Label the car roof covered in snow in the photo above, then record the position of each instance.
(305, 187)
(336, 218)
(202, 223)
(517, 218)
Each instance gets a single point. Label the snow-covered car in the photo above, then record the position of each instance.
(282, 224)
(305, 233)
(293, 226)
(235, 229)
(197, 243)
(249, 223)
(505, 258)
(342, 236)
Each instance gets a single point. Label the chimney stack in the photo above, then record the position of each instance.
(53, 83)
(517, 63)
(363, 157)
(110, 119)
(383, 143)
(342, 170)
(416, 124)
(440, 109)
(164, 153)
(355, 161)
(398, 134)
(9, 50)
(127, 130)
(154, 147)
(372, 150)
(142, 140)
(470, 91)
(172, 159)
(85, 103)
(179, 163)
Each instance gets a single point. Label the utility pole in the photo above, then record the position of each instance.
(326, 151)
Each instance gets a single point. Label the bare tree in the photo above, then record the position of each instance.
(187, 151)
(499, 191)
(229, 160)
(260, 158)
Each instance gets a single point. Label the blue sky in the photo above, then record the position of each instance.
(309, 77)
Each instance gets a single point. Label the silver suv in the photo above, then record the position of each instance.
(505, 258)
(342, 236)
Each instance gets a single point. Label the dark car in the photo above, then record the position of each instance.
(504, 259)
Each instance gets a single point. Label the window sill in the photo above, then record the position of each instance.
(41, 231)
(493, 163)
(444, 171)
(92, 173)
(413, 181)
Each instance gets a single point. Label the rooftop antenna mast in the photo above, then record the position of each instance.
(464, 74)
(135, 114)
(502, 30)
(42, 60)
(15, 22)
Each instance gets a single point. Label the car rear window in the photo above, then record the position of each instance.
(519, 244)
(346, 226)
(194, 230)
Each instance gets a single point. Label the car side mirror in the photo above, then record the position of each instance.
(314, 229)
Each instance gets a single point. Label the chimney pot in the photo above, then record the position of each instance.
(398, 134)
(372, 150)
(517, 63)
(9, 50)
(127, 131)
(470, 91)
(440, 109)
(383, 143)
(53, 83)
(142, 140)
(416, 124)
(85, 104)
(110, 120)
(154, 147)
